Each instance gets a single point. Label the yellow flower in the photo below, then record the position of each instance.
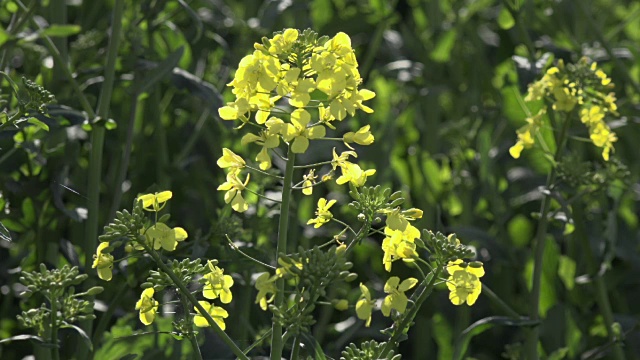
(235, 110)
(308, 182)
(396, 299)
(217, 313)
(526, 134)
(399, 244)
(299, 133)
(363, 137)
(265, 285)
(565, 99)
(148, 306)
(297, 87)
(103, 262)
(602, 136)
(218, 285)
(155, 202)
(233, 187)
(365, 305)
(229, 159)
(343, 159)
(592, 115)
(268, 140)
(162, 236)
(464, 282)
(323, 215)
(353, 173)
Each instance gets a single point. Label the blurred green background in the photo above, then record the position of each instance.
(448, 75)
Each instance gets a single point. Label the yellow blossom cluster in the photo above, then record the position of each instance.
(580, 86)
(292, 88)
(217, 286)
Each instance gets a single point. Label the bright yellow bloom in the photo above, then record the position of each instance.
(148, 306)
(269, 140)
(162, 236)
(299, 133)
(265, 285)
(343, 159)
(365, 305)
(602, 136)
(103, 262)
(464, 283)
(353, 173)
(233, 187)
(592, 116)
(565, 99)
(308, 181)
(235, 110)
(217, 313)
(155, 202)
(298, 88)
(399, 244)
(396, 299)
(281, 43)
(363, 137)
(323, 215)
(229, 159)
(218, 285)
(527, 134)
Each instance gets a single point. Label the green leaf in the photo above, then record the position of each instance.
(28, 212)
(38, 123)
(162, 69)
(23, 337)
(13, 225)
(442, 51)
(61, 30)
(558, 354)
(4, 233)
(443, 335)
(505, 19)
(567, 271)
(83, 334)
(483, 325)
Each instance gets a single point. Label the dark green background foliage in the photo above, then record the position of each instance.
(447, 74)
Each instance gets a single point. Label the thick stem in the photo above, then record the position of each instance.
(411, 314)
(55, 350)
(602, 298)
(95, 165)
(531, 344)
(182, 287)
(283, 227)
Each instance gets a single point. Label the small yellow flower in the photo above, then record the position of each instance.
(162, 236)
(464, 283)
(233, 187)
(235, 110)
(308, 182)
(217, 313)
(396, 299)
(602, 136)
(155, 202)
(354, 174)
(300, 133)
(399, 245)
(218, 285)
(148, 306)
(229, 159)
(103, 262)
(363, 137)
(365, 305)
(323, 215)
(592, 115)
(265, 285)
(268, 140)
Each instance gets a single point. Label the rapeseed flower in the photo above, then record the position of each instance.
(155, 202)
(399, 244)
(362, 137)
(323, 215)
(365, 305)
(233, 187)
(298, 131)
(396, 299)
(266, 285)
(103, 262)
(160, 235)
(148, 306)
(217, 313)
(464, 282)
(218, 285)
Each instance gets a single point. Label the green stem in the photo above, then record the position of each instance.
(411, 314)
(95, 164)
(295, 352)
(501, 304)
(531, 344)
(192, 299)
(602, 298)
(190, 334)
(55, 350)
(283, 228)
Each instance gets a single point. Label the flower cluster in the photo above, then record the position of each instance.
(217, 286)
(580, 86)
(464, 282)
(292, 88)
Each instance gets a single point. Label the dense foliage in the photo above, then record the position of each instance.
(506, 126)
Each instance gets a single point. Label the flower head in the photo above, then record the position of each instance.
(265, 285)
(308, 181)
(218, 285)
(464, 282)
(155, 202)
(362, 137)
(323, 215)
(399, 245)
(103, 262)
(229, 159)
(217, 313)
(365, 305)
(160, 235)
(396, 299)
(233, 187)
(148, 306)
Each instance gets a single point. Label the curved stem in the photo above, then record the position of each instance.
(264, 172)
(531, 344)
(182, 287)
(234, 247)
(283, 227)
(313, 165)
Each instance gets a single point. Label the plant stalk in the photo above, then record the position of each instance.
(55, 350)
(531, 344)
(191, 335)
(192, 299)
(95, 164)
(283, 227)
